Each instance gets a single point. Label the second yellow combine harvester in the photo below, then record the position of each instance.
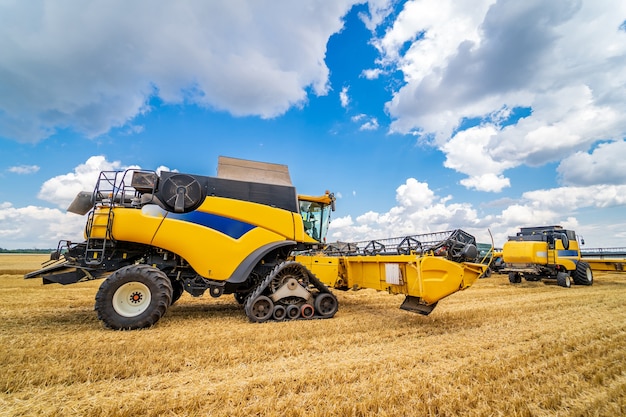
(153, 236)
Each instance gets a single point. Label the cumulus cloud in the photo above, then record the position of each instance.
(62, 189)
(371, 124)
(366, 122)
(467, 152)
(604, 165)
(568, 198)
(37, 227)
(126, 53)
(468, 61)
(420, 210)
(42, 227)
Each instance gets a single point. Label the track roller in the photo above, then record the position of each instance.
(307, 311)
(293, 311)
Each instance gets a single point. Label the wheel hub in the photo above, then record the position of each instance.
(131, 299)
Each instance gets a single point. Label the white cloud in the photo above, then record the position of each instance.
(371, 124)
(420, 210)
(486, 182)
(344, 98)
(62, 189)
(367, 122)
(605, 164)
(37, 227)
(42, 227)
(128, 52)
(378, 11)
(467, 152)
(371, 74)
(414, 194)
(482, 60)
(573, 198)
(24, 169)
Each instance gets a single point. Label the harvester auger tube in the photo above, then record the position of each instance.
(290, 291)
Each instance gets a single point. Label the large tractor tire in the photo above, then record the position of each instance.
(133, 297)
(583, 274)
(178, 288)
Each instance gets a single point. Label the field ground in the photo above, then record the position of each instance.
(492, 350)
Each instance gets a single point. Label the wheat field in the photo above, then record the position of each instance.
(491, 350)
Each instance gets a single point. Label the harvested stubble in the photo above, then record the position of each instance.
(492, 350)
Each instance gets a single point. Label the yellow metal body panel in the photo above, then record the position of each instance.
(525, 252)
(128, 224)
(322, 199)
(606, 265)
(326, 268)
(430, 278)
(534, 252)
(214, 239)
(276, 220)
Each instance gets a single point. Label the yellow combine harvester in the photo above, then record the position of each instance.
(548, 252)
(154, 236)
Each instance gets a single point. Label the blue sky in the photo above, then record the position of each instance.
(421, 116)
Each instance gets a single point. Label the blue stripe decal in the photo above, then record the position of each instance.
(230, 227)
(566, 253)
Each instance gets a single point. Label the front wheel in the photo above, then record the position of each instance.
(133, 297)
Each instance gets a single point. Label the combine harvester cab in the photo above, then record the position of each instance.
(426, 268)
(154, 236)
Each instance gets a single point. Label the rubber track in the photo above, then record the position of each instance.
(313, 280)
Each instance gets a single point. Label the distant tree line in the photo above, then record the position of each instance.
(2, 250)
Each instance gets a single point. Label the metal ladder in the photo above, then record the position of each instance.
(551, 255)
(96, 247)
(107, 190)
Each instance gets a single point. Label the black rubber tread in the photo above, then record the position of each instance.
(563, 279)
(515, 277)
(157, 282)
(248, 303)
(178, 288)
(580, 275)
(323, 289)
